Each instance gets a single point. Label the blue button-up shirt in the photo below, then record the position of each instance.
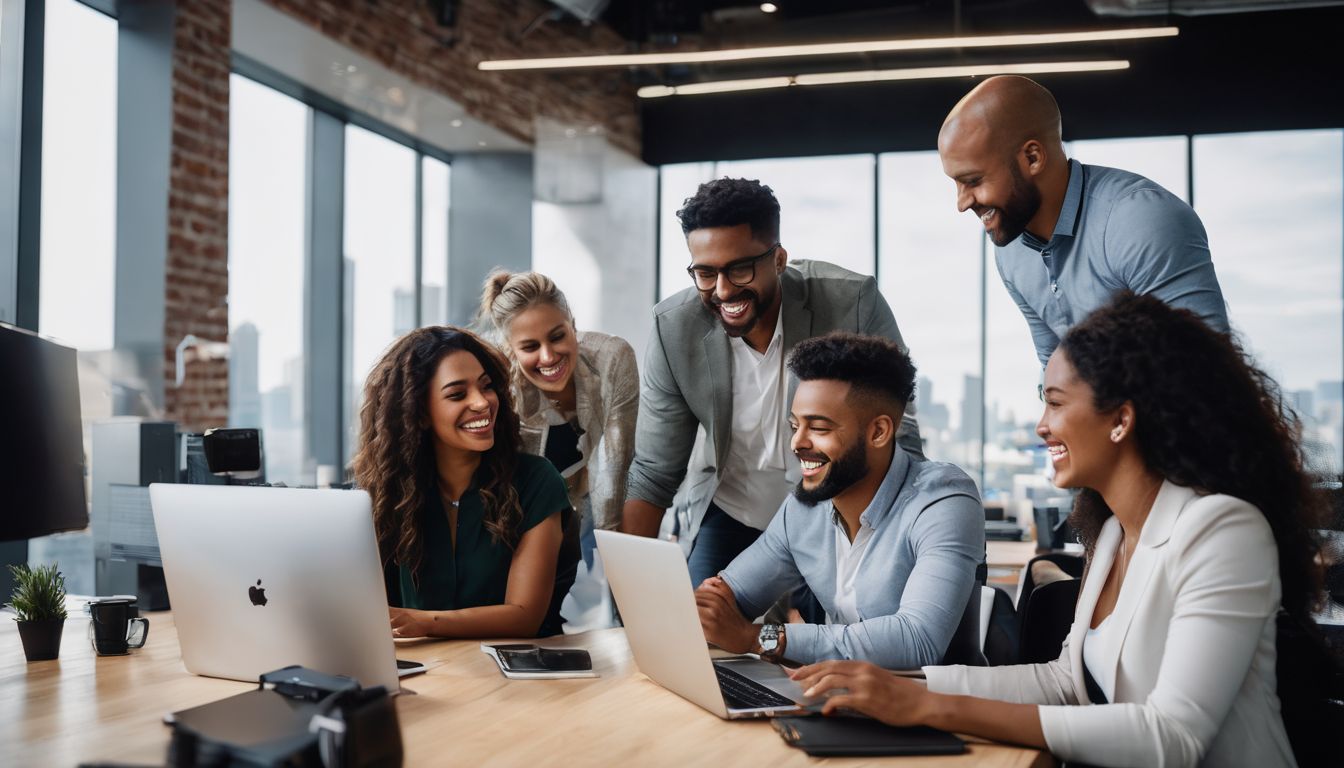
(1116, 231)
(911, 587)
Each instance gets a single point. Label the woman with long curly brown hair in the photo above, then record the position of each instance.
(1196, 516)
(472, 531)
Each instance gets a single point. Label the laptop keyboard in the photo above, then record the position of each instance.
(741, 692)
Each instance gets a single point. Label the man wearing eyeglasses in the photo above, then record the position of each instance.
(714, 366)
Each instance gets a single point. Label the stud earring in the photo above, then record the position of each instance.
(1116, 434)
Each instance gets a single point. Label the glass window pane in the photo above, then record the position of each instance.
(1161, 159)
(77, 287)
(78, 176)
(267, 188)
(929, 257)
(826, 205)
(1012, 406)
(379, 257)
(1272, 203)
(434, 242)
(677, 182)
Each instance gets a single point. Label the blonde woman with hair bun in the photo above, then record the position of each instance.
(577, 398)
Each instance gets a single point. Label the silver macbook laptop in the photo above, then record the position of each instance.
(262, 578)
(653, 591)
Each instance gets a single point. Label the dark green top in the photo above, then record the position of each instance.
(477, 573)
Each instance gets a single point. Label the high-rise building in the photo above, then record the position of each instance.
(972, 410)
(244, 390)
(403, 311)
(933, 415)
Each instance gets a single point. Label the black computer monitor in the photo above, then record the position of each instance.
(41, 438)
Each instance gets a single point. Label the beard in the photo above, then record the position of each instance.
(1023, 202)
(849, 469)
(749, 317)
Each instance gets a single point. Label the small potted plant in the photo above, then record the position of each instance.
(39, 601)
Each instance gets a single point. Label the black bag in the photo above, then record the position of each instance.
(295, 718)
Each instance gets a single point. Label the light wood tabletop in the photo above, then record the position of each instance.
(1009, 554)
(82, 707)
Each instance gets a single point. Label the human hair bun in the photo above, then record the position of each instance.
(507, 294)
(490, 291)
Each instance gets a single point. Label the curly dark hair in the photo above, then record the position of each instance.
(395, 462)
(874, 366)
(730, 202)
(1207, 418)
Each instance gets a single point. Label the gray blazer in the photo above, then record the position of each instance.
(687, 381)
(606, 389)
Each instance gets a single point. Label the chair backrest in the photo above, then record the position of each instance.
(965, 646)
(1046, 620)
(1002, 630)
(1311, 691)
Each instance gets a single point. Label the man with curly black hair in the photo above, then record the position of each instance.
(714, 366)
(887, 545)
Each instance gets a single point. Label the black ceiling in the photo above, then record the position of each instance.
(1267, 70)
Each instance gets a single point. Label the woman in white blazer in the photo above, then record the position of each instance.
(1195, 516)
(578, 399)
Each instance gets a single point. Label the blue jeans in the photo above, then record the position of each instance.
(720, 539)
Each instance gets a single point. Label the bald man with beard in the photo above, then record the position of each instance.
(1068, 236)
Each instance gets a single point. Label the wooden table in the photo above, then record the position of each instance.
(462, 712)
(1009, 554)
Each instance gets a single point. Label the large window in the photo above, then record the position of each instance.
(930, 274)
(1272, 203)
(78, 252)
(268, 138)
(434, 204)
(1161, 159)
(379, 257)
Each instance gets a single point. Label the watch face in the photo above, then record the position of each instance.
(769, 637)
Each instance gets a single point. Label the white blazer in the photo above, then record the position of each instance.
(1193, 648)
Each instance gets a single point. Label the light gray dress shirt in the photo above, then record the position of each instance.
(1116, 231)
(911, 586)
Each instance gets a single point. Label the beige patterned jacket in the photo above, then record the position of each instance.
(606, 382)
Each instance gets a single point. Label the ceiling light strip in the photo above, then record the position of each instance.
(882, 75)
(827, 49)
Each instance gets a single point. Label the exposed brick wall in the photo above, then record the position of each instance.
(403, 36)
(197, 273)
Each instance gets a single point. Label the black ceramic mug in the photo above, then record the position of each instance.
(115, 626)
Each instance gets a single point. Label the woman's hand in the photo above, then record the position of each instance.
(865, 688)
(407, 622)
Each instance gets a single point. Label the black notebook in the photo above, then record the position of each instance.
(855, 736)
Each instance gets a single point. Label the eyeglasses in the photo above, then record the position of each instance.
(739, 272)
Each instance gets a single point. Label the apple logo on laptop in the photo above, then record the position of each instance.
(257, 594)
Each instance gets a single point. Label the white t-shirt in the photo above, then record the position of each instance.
(1094, 655)
(848, 558)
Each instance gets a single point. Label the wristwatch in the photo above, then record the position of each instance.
(771, 641)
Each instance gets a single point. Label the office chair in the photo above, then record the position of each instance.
(964, 648)
(1045, 612)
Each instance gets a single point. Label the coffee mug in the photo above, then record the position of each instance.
(115, 626)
